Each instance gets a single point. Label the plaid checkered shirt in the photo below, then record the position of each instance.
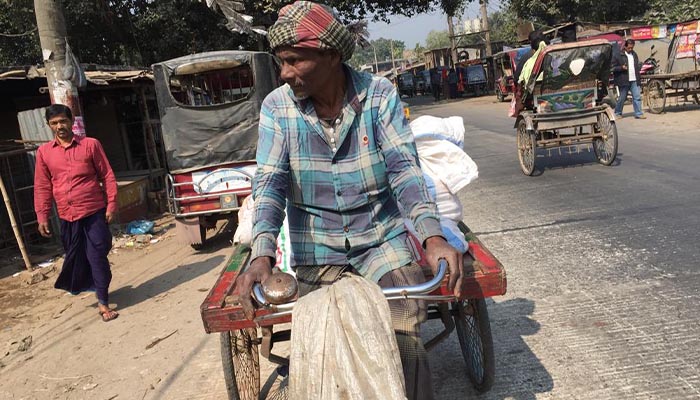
(341, 205)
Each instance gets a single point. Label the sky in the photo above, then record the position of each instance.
(415, 29)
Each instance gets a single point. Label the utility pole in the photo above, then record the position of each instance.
(485, 26)
(393, 63)
(52, 36)
(453, 41)
(376, 64)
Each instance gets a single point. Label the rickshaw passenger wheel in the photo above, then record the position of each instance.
(527, 148)
(605, 149)
(474, 334)
(656, 96)
(240, 359)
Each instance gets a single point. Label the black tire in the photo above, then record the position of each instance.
(240, 359)
(527, 148)
(474, 334)
(656, 96)
(499, 95)
(605, 148)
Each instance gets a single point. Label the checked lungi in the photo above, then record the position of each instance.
(406, 317)
(87, 243)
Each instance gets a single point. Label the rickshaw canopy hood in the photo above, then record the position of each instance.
(197, 136)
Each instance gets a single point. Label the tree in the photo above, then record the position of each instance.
(19, 38)
(667, 11)
(503, 25)
(556, 11)
(383, 48)
(437, 40)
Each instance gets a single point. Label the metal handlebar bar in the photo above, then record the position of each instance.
(419, 291)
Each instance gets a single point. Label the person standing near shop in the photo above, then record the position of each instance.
(74, 172)
(626, 71)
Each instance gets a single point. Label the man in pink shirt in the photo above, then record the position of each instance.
(74, 172)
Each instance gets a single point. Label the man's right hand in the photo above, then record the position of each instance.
(258, 270)
(44, 229)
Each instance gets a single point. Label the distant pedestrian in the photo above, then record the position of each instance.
(435, 83)
(626, 71)
(74, 172)
(452, 79)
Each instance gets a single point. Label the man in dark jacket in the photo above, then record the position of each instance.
(626, 69)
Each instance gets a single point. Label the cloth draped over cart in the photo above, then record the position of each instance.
(343, 344)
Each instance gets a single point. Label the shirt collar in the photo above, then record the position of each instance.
(74, 141)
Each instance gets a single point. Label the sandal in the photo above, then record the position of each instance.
(108, 315)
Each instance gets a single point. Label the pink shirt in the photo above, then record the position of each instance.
(71, 176)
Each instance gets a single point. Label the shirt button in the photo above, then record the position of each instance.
(346, 229)
(339, 193)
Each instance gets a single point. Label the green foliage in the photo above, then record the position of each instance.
(552, 12)
(437, 40)
(667, 11)
(503, 27)
(17, 48)
(383, 51)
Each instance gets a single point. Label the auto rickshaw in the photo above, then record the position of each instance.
(209, 106)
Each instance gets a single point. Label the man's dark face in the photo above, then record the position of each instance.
(307, 71)
(61, 126)
(629, 47)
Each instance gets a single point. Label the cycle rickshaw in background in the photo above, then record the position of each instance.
(209, 106)
(242, 340)
(562, 103)
(504, 66)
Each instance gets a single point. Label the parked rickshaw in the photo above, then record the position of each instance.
(209, 107)
(504, 65)
(242, 340)
(563, 103)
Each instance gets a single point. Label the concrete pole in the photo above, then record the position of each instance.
(453, 41)
(376, 64)
(52, 36)
(485, 26)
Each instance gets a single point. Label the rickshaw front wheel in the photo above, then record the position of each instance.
(527, 147)
(241, 362)
(474, 333)
(605, 148)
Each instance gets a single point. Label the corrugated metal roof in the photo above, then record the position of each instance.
(94, 77)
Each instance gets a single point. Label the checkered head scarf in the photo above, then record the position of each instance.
(313, 26)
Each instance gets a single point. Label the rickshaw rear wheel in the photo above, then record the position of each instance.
(605, 148)
(656, 96)
(475, 340)
(527, 147)
(241, 362)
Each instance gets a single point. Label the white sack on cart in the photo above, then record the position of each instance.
(440, 143)
(343, 345)
(244, 235)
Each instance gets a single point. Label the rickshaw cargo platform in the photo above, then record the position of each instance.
(484, 277)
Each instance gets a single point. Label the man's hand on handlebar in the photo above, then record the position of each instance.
(436, 248)
(258, 270)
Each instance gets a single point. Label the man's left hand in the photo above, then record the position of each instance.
(436, 248)
(109, 217)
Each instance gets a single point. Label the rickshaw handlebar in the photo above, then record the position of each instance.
(418, 291)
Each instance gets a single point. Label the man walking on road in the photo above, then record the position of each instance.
(626, 70)
(336, 152)
(74, 172)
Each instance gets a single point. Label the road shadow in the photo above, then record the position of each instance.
(565, 157)
(520, 374)
(127, 296)
(220, 237)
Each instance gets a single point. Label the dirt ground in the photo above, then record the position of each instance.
(55, 346)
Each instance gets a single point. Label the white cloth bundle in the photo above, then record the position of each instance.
(343, 345)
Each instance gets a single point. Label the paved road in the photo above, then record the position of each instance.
(602, 262)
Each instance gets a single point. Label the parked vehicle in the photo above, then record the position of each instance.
(475, 79)
(407, 85)
(504, 65)
(209, 106)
